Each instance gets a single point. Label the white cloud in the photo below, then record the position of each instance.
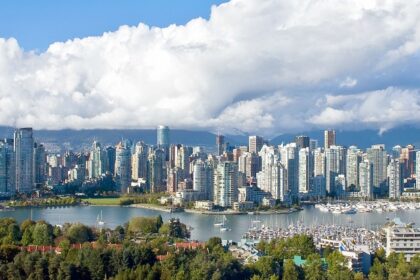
(258, 66)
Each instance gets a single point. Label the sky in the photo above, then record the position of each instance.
(265, 67)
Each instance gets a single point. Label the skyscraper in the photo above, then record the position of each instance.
(335, 165)
(329, 138)
(255, 144)
(273, 175)
(289, 157)
(354, 157)
(123, 166)
(110, 159)
(96, 163)
(379, 159)
(3, 168)
(395, 180)
(306, 170)
(24, 151)
(225, 184)
(203, 178)
(220, 144)
(302, 142)
(163, 139)
(366, 179)
(39, 164)
(418, 170)
(155, 170)
(139, 161)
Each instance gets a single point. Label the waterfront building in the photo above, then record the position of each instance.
(366, 179)
(123, 166)
(96, 163)
(3, 168)
(340, 185)
(40, 164)
(10, 165)
(203, 178)
(404, 240)
(225, 184)
(395, 179)
(302, 142)
(220, 144)
(335, 165)
(24, 152)
(252, 193)
(175, 176)
(378, 157)
(155, 171)
(139, 161)
(353, 159)
(329, 139)
(319, 162)
(163, 139)
(255, 144)
(305, 170)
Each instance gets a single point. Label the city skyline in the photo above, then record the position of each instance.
(138, 75)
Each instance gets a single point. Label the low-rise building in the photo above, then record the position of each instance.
(269, 202)
(402, 239)
(243, 206)
(204, 204)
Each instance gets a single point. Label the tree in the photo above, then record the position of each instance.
(289, 271)
(337, 267)
(359, 276)
(266, 266)
(213, 242)
(78, 233)
(313, 268)
(178, 229)
(42, 234)
(377, 271)
(7, 253)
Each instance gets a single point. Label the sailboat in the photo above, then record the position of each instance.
(218, 224)
(223, 227)
(99, 220)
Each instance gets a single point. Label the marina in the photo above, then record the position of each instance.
(367, 207)
(203, 225)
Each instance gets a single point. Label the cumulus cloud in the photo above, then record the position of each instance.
(264, 67)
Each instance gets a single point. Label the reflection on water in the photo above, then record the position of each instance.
(203, 227)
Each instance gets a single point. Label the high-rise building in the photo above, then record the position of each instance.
(289, 157)
(319, 162)
(396, 152)
(24, 151)
(418, 170)
(110, 159)
(163, 139)
(335, 165)
(155, 171)
(255, 144)
(3, 168)
(96, 163)
(302, 142)
(407, 159)
(182, 161)
(123, 166)
(306, 170)
(273, 175)
(175, 175)
(379, 159)
(40, 164)
(203, 178)
(220, 144)
(329, 138)
(395, 180)
(139, 161)
(366, 179)
(225, 184)
(313, 144)
(250, 164)
(354, 157)
(10, 165)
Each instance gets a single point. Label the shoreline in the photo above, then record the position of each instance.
(205, 212)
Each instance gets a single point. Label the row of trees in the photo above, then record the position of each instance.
(146, 251)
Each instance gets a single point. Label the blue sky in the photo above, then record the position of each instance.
(36, 24)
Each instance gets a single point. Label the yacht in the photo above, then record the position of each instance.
(99, 220)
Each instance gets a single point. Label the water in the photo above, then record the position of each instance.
(203, 227)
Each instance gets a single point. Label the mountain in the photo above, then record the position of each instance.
(82, 139)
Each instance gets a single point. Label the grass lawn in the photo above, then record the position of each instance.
(103, 201)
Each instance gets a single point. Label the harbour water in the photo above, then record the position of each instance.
(203, 225)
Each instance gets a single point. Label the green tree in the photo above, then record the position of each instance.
(266, 266)
(337, 267)
(289, 271)
(359, 276)
(43, 234)
(313, 268)
(377, 271)
(78, 233)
